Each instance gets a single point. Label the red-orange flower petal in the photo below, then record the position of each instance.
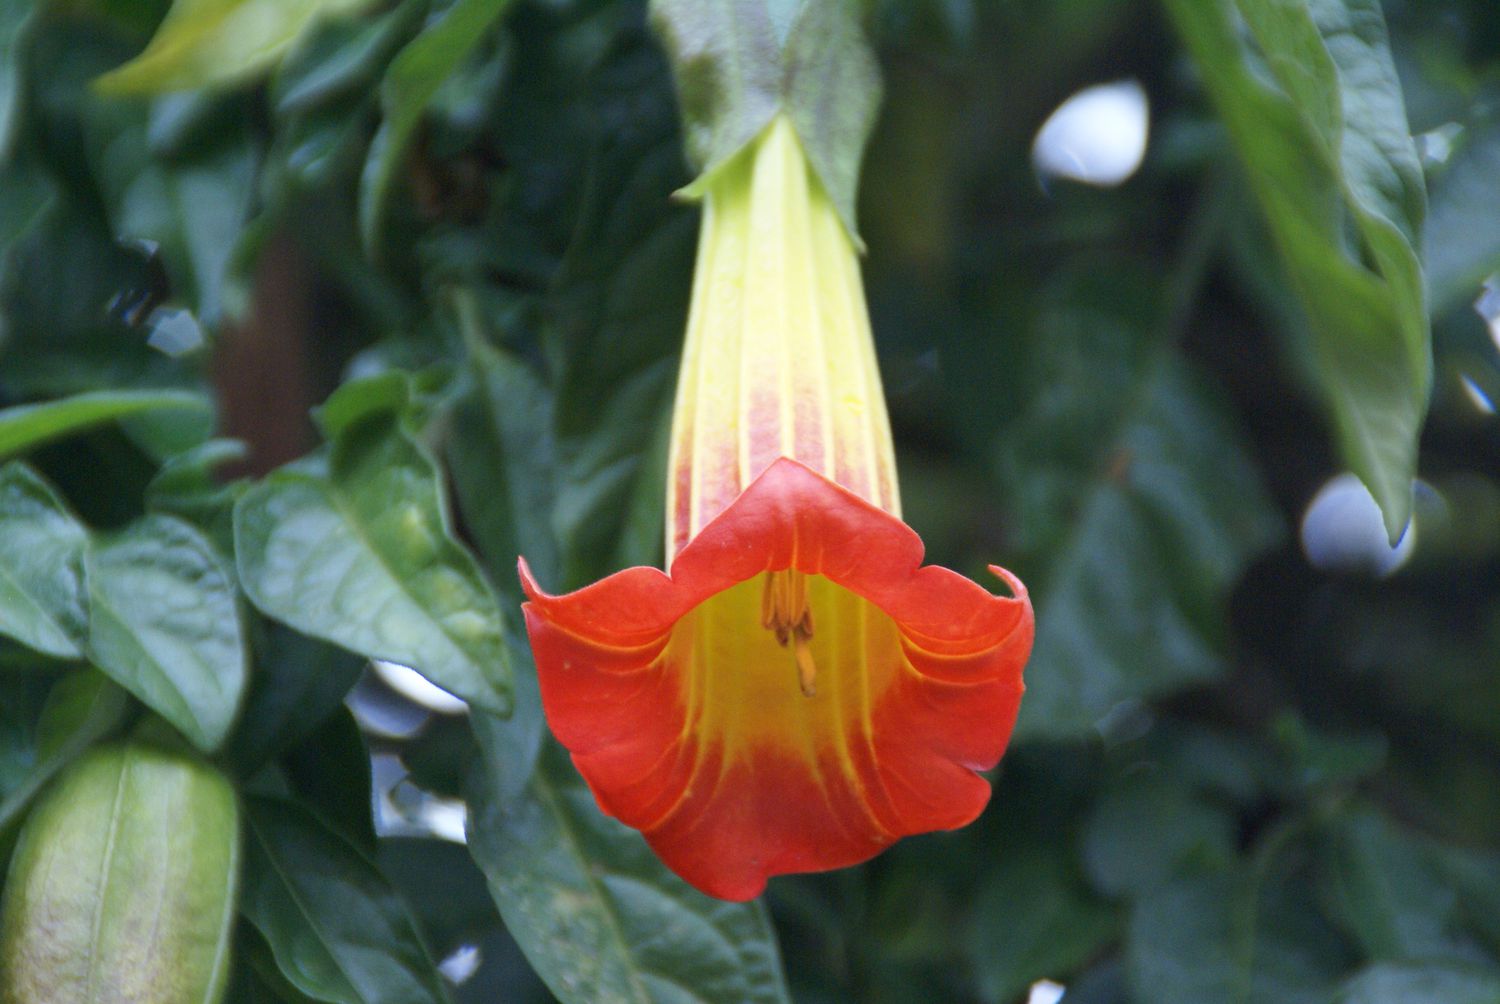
(684, 713)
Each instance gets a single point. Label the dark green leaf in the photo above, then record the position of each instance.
(502, 455)
(1147, 830)
(297, 684)
(338, 930)
(27, 426)
(444, 888)
(21, 698)
(165, 624)
(1033, 920)
(1139, 504)
(82, 708)
(14, 19)
(26, 193)
(185, 487)
(1320, 127)
(1422, 983)
(410, 83)
(1187, 943)
(191, 211)
(43, 598)
(1386, 892)
(1462, 236)
(617, 318)
(353, 546)
(588, 902)
(329, 771)
(1475, 877)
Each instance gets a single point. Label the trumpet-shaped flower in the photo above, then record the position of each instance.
(798, 691)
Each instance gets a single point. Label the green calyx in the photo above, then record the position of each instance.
(737, 65)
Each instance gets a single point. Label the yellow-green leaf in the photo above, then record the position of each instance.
(215, 43)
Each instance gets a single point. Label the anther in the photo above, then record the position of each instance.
(807, 670)
(784, 611)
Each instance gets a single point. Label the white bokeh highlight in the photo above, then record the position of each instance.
(1343, 531)
(1098, 136)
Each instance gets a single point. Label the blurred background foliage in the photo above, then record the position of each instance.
(1240, 775)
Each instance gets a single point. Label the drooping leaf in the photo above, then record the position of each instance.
(217, 43)
(353, 545)
(27, 426)
(409, 84)
(336, 927)
(165, 624)
(588, 902)
(1137, 510)
(1317, 119)
(43, 598)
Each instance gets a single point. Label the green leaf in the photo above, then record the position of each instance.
(15, 17)
(615, 324)
(1240, 934)
(123, 882)
(1033, 920)
(1137, 508)
(43, 599)
(27, 426)
(1462, 235)
(503, 458)
(184, 184)
(1186, 945)
(338, 930)
(444, 887)
(297, 684)
(353, 546)
(1422, 983)
(738, 64)
(26, 193)
(82, 708)
(329, 771)
(1387, 893)
(185, 487)
(1318, 122)
(409, 84)
(1147, 830)
(166, 626)
(218, 43)
(590, 904)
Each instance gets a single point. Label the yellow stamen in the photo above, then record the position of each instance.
(807, 670)
(784, 610)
